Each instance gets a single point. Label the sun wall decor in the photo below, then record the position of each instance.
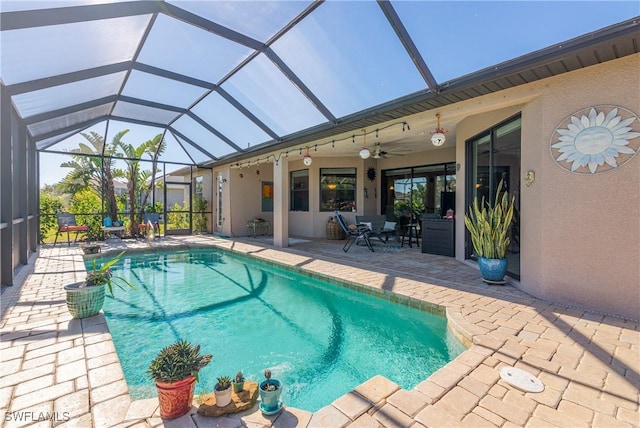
(596, 139)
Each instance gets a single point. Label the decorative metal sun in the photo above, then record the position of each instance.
(596, 139)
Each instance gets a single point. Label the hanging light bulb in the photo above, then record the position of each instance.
(364, 153)
(437, 135)
(307, 158)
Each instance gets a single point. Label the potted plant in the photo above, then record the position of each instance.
(238, 382)
(85, 298)
(175, 371)
(222, 391)
(270, 390)
(489, 228)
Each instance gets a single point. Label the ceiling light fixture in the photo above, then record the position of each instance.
(437, 135)
(307, 158)
(364, 153)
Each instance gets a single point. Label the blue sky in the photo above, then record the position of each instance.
(344, 58)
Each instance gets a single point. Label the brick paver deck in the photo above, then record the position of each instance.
(66, 372)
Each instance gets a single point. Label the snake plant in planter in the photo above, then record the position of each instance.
(175, 371)
(489, 228)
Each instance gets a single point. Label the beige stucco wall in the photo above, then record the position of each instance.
(589, 248)
(580, 234)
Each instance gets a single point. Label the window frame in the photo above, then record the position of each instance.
(298, 191)
(346, 180)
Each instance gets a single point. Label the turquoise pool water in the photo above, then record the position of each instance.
(319, 339)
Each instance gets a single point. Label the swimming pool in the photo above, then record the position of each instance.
(321, 340)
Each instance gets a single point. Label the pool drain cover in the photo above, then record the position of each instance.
(520, 379)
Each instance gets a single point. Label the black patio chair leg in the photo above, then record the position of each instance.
(56, 240)
(368, 241)
(68, 239)
(348, 244)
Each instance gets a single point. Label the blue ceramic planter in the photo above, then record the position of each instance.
(492, 269)
(270, 399)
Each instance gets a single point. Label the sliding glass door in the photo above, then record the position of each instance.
(420, 191)
(493, 157)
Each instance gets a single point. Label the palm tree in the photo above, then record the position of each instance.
(92, 169)
(137, 179)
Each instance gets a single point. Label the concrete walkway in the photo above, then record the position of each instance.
(57, 371)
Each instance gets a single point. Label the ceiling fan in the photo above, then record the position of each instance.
(378, 153)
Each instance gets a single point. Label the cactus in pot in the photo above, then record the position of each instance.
(238, 382)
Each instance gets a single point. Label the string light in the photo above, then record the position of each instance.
(276, 158)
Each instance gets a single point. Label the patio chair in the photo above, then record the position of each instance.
(67, 223)
(154, 218)
(354, 233)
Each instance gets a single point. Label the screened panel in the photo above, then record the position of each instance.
(477, 37)
(68, 120)
(217, 112)
(195, 154)
(160, 90)
(269, 95)
(60, 49)
(53, 142)
(12, 6)
(185, 49)
(138, 111)
(259, 20)
(352, 57)
(56, 97)
(174, 151)
(73, 140)
(202, 136)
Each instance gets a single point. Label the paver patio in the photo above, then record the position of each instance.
(67, 372)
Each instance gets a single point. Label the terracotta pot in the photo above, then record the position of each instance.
(175, 398)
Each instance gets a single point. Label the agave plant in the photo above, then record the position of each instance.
(224, 382)
(489, 225)
(178, 361)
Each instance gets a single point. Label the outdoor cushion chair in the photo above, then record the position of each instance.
(67, 223)
(354, 233)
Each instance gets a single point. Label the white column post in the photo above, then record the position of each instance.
(281, 203)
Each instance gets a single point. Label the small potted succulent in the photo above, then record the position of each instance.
(238, 382)
(85, 298)
(175, 370)
(270, 390)
(222, 391)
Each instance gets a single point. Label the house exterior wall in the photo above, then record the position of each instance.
(580, 234)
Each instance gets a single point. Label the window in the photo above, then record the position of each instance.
(338, 189)
(419, 191)
(299, 190)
